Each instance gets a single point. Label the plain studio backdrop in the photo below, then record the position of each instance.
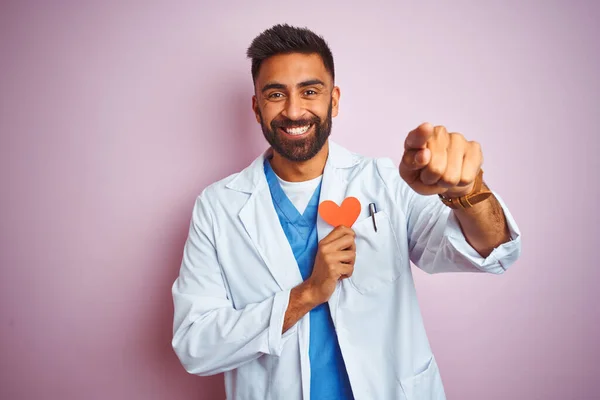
(114, 117)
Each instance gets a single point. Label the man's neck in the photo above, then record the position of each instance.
(300, 171)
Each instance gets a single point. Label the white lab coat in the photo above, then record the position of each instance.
(238, 269)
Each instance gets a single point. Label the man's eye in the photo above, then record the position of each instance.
(310, 92)
(276, 95)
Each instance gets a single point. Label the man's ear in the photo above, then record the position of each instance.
(255, 108)
(335, 101)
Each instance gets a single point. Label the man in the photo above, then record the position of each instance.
(291, 307)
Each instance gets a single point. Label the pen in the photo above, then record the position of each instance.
(372, 211)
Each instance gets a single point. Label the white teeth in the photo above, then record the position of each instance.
(297, 131)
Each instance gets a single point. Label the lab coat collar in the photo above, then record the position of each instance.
(253, 176)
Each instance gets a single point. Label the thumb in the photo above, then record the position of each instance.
(412, 163)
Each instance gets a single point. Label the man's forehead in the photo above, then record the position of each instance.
(290, 69)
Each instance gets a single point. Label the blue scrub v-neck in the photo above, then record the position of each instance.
(300, 229)
(329, 378)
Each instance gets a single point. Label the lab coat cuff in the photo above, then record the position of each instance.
(500, 258)
(280, 305)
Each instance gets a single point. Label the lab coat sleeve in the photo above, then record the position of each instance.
(209, 335)
(435, 239)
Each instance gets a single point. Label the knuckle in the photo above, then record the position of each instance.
(435, 170)
(450, 179)
(476, 145)
(465, 180)
(457, 136)
(439, 129)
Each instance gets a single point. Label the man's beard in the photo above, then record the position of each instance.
(298, 149)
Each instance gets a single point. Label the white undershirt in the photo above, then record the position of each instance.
(300, 193)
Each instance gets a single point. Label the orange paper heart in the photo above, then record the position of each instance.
(335, 215)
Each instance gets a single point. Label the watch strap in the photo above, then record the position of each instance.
(477, 195)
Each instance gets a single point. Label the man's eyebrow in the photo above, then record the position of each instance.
(281, 86)
(270, 86)
(312, 82)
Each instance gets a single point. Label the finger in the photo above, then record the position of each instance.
(409, 175)
(412, 163)
(471, 164)
(345, 242)
(351, 247)
(417, 138)
(337, 233)
(416, 159)
(345, 256)
(456, 155)
(436, 167)
(346, 270)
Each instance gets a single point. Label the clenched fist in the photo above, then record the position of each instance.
(438, 162)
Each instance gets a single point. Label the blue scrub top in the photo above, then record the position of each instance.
(328, 378)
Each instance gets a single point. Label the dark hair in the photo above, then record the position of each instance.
(285, 39)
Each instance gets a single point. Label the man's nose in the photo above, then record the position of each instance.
(294, 108)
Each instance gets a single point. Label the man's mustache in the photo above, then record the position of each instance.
(288, 123)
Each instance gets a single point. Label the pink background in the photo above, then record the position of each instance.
(114, 117)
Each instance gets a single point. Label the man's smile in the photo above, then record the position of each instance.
(297, 132)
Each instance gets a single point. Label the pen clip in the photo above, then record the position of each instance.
(372, 211)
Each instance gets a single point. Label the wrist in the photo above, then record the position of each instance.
(468, 197)
(457, 192)
(307, 295)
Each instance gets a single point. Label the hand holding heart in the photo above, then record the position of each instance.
(337, 251)
(438, 162)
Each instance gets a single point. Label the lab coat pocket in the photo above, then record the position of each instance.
(426, 385)
(378, 259)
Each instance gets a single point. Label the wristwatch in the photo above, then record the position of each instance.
(478, 194)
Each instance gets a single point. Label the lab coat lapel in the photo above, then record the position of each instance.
(260, 221)
(334, 188)
(334, 185)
